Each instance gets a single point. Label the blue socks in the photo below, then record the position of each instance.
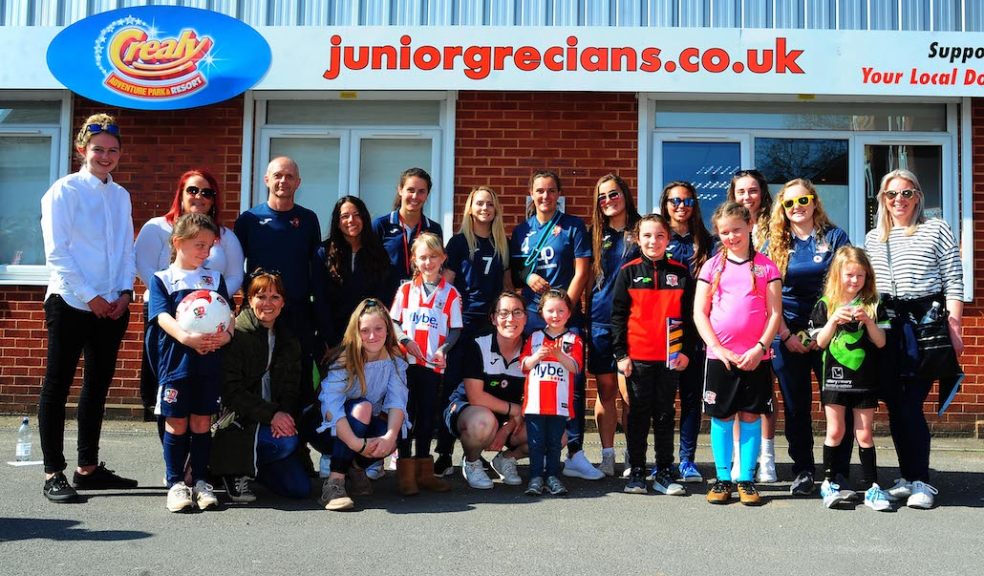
(750, 434)
(175, 455)
(201, 449)
(722, 446)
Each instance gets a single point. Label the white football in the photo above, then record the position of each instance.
(204, 312)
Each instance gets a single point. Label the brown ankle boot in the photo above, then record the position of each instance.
(406, 476)
(425, 476)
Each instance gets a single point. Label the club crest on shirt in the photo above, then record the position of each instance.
(672, 280)
(758, 271)
(207, 281)
(556, 230)
(295, 222)
(170, 395)
(710, 397)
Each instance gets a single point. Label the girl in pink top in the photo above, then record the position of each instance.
(737, 309)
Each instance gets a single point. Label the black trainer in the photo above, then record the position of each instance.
(57, 489)
(101, 478)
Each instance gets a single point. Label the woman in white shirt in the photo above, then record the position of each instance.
(198, 191)
(87, 230)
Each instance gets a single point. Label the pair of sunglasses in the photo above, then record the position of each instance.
(261, 272)
(907, 193)
(804, 200)
(203, 192)
(610, 197)
(686, 202)
(108, 128)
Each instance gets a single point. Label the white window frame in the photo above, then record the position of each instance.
(256, 136)
(957, 190)
(37, 274)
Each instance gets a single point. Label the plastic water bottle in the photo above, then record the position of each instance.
(932, 315)
(24, 438)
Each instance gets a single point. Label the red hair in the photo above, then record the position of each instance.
(175, 211)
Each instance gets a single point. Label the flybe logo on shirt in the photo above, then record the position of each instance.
(546, 369)
(421, 317)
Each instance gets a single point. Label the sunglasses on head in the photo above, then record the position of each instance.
(907, 193)
(611, 196)
(804, 200)
(203, 192)
(261, 272)
(753, 173)
(108, 128)
(677, 202)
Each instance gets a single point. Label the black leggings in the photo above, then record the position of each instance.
(424, 385)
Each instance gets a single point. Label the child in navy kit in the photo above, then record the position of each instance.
(849, 325)
(649, 291)
(188, 365)
(427, 318)
(551, 360)
(737, 308)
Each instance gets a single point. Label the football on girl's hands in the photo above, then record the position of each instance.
(204, 312)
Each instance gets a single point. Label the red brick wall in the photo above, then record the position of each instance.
(501, 137)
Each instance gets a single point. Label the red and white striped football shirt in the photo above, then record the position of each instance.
(550, 386)
(427, 319)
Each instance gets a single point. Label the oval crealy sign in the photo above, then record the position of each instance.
(159, 57)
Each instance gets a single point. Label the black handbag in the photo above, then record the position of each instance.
(925, 347)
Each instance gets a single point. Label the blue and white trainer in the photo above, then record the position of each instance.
(578, 466)
(689, 472)
(831, 494)
(877, 499)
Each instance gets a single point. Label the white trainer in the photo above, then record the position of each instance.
(475, 475)
(179, 497)
(578, 466)
(375, 470)
(767, 470)
(628, 469)
(205, 495)
(922, 496)
(901, 489)
(505, 467)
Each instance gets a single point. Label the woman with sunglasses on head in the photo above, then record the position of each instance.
(614, 217)
(551, 249)
(917, 263)
(197, 193)
(802, 242)
(88, 245)
(750, 189)
(690, 244)
(478, 259)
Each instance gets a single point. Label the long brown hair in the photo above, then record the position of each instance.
(599, 221)
(703, 241)
(761, 222)
(531, 208)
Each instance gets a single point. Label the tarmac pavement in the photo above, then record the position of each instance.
(596, 529)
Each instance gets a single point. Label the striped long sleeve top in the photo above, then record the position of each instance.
(926, 263)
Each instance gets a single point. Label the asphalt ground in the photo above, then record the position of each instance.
(595, 530)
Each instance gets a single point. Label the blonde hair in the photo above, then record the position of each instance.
(107, 125)
(499, 241)
(188, 226)
(352, 356)
(833, 289)
(425, 241)
(884, 217)
(732, 210)
(780, 229)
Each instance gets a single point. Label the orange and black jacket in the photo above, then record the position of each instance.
(646, 294)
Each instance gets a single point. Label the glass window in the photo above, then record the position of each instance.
(824, 162)
(381, 162)
(707, 165)
(354, 112)
(804, 116)
(25, 175)
(24, 112)
(317, 159)
(926, 162)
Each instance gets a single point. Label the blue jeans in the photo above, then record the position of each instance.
(544, 434)
(279, 470)
(691, 388)
(341, 455)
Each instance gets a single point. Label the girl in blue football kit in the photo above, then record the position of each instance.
(188, 365)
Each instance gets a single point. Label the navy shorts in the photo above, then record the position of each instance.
(180, 398)
(727, 392)
(601, 358)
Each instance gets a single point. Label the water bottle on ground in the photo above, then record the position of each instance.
(24, 439)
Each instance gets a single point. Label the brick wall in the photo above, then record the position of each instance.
(501, 137)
